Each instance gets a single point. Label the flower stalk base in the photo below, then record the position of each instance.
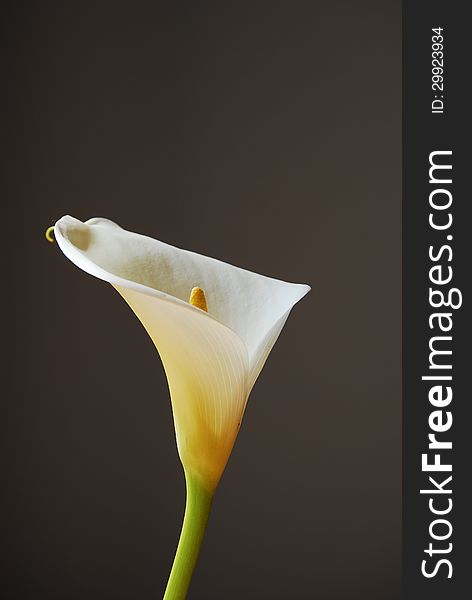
(197, 510)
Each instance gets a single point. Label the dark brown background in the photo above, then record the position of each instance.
(266, 134)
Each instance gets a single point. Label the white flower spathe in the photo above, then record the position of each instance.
(212, 359)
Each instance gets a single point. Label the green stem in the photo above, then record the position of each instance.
(197, 510)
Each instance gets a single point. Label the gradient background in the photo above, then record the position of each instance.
(266, 134)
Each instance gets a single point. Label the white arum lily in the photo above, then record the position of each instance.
(213, 325)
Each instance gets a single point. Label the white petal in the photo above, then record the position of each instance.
(206, 367)
(252, 305)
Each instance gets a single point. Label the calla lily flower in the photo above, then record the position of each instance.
(213, 325)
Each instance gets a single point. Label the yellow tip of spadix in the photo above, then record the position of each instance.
(197, 298)
(49, 234)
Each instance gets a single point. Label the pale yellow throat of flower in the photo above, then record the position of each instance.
(197, 298)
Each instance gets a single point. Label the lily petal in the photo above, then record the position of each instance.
(211, 359)
(206, 367)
